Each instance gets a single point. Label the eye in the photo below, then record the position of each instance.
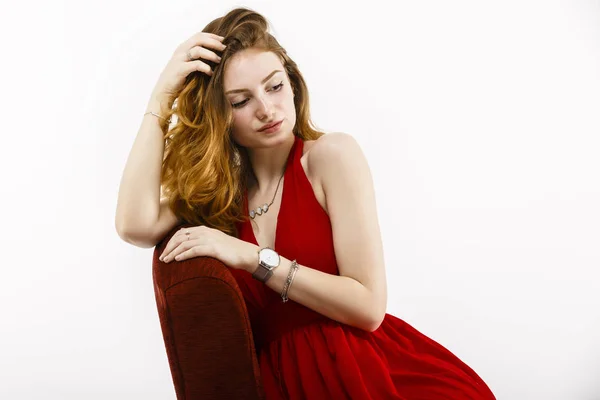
(276, 88)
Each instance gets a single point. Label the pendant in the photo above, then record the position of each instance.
(259, 210)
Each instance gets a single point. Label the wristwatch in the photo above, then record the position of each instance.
(268, 260)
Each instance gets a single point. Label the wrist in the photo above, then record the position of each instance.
(251, 259)
(158, 103)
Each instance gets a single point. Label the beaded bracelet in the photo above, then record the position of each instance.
(289, 280)
(155, 114)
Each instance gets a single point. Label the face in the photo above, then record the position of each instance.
(258, 97)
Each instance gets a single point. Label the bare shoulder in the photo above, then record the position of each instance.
(330, 147)
(320, 154)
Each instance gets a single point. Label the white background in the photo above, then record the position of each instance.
(480, 121)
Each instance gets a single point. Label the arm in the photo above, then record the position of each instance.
(358, 296)
(138, 203)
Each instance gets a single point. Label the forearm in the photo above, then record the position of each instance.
(338, 297)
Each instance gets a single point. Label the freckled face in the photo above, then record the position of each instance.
(263, 95)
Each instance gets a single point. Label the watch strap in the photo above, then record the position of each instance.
(262, 274)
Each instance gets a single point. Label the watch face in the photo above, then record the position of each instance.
(269, 257)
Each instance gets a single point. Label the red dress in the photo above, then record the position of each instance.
(305, 355)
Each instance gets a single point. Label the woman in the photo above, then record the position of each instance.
(292, 212)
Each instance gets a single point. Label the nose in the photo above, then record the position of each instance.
(264, 108)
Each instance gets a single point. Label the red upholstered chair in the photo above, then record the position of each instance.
(206, 329)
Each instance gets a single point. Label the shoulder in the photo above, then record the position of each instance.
(337, 161)
(332, 148)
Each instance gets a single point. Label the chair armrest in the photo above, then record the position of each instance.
(206, 328)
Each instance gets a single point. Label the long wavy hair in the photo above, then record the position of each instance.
(204, 171)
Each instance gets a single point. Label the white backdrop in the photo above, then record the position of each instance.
(480, 121)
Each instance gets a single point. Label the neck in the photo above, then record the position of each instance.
(268, 165)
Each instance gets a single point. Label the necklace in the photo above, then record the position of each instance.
(265, 207)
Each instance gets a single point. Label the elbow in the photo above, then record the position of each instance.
(140, 239)
(367, 319)
(377, 316)
(374, 325)
(122, 233)
(376, 311)
(120, 230)
(370, 320)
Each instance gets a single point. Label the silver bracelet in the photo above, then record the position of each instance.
(155, 114)
(288, 282)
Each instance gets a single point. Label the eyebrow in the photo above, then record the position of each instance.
(247, 90)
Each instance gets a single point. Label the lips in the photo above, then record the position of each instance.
(269, 126)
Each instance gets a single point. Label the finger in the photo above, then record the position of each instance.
(168, 249)
(184, 246)
(205, 54)
(195, 251)
(205, 40)
(177, 254)
(218, 37)
(214, 35)
(175, 241)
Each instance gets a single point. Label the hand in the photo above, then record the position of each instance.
(210, 242)
(181, 65)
